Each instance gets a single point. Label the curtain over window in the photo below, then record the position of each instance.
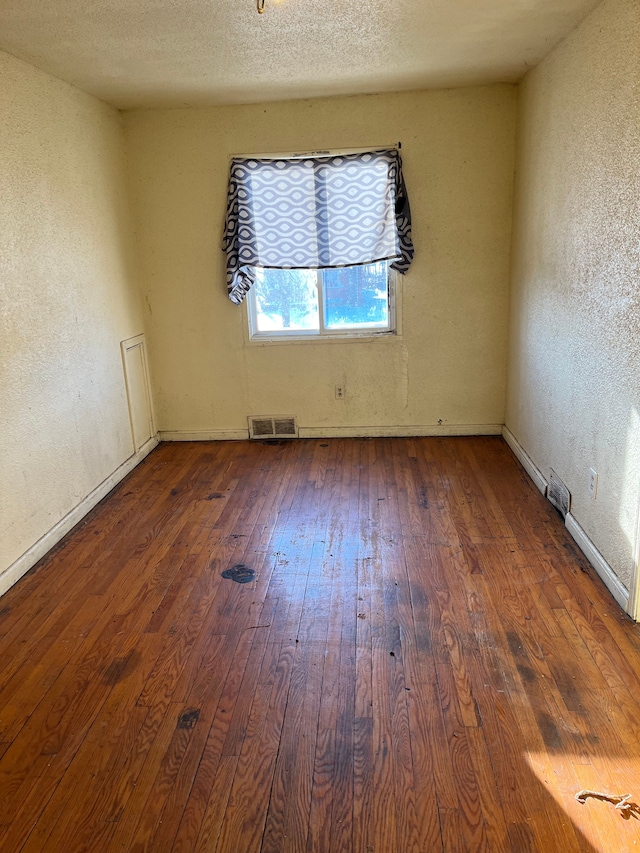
(315, 213)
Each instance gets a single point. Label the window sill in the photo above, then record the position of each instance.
(386, 337)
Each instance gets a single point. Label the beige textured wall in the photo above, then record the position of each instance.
(450, 363)
(66, 300)
(574, 365)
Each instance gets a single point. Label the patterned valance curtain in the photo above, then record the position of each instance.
(315, 213)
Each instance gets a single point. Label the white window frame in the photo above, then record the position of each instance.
(255, 336)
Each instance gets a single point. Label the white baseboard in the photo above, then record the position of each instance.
(608, 576)
(338, 432)
(399, 431)
(30, 557)
(203, 434)
(525, 460)
(595, 558)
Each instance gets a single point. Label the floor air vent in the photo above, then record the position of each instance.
(559, 494)
(272, 426)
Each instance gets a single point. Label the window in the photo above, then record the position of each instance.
(344, 302)
(314, 242)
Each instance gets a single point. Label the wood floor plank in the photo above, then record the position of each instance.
(199, 825)
(421, 661)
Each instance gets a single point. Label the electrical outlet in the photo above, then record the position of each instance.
(593, 483)
(341, 392)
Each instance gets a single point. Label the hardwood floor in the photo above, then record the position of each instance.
(421, 661)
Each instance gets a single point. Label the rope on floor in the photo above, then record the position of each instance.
(622, 801)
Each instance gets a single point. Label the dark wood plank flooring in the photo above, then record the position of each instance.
(420, 661)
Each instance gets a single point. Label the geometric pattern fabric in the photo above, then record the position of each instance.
(315, 213)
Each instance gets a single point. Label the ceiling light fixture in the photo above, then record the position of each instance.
(260, 7)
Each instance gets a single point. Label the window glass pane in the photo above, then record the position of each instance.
(286, 299)
(356, 297)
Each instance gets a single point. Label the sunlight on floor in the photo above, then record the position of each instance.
(601, 824)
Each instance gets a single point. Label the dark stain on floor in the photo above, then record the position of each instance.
(188, 719)
(239, 573)
(120, 668)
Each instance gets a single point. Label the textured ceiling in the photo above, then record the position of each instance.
(148, 53)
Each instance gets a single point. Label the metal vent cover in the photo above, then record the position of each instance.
(272, 426)
(558, 494)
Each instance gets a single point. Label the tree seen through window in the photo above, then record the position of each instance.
(347, 298)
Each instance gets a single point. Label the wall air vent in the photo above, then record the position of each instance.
(559, 494)
(272, 426)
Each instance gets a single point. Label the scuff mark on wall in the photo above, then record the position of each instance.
(404, 377)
